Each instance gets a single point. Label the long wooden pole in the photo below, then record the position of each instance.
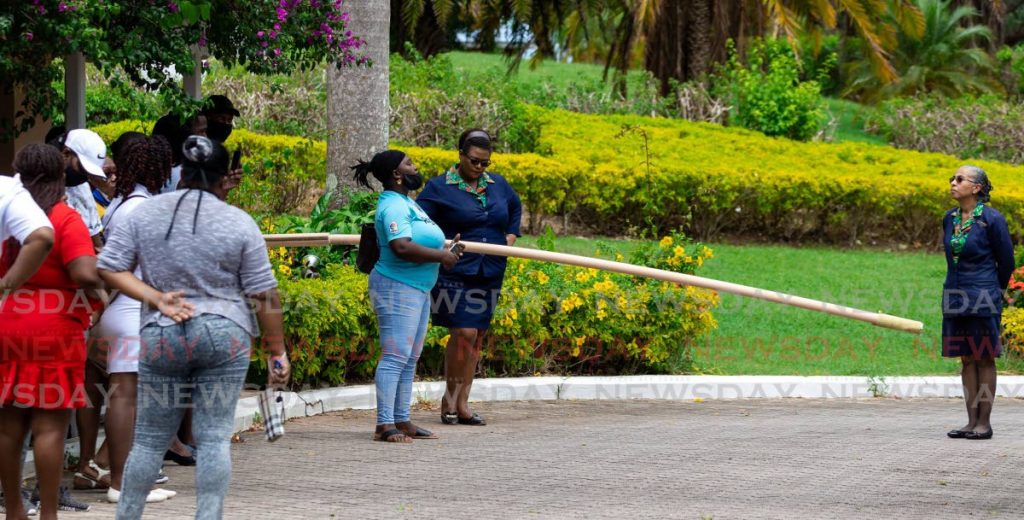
(875, 318)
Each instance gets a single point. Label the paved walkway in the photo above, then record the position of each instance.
(778, 459)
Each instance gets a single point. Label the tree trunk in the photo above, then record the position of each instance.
(698, 39)
(357, 99)
(687, 39)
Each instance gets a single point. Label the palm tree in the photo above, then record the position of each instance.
(357, 99)
(679, 40)
(947, 59)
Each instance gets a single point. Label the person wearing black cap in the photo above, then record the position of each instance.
(220, 115)
(411, 247)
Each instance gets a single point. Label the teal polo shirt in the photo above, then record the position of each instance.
(398, 216)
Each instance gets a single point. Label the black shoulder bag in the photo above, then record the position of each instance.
(369, 250)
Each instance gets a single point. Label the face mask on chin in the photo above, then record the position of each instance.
(73, 177)
(413, 182)
(218, 131)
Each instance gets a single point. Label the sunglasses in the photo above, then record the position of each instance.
(960, 178)
(478, 162)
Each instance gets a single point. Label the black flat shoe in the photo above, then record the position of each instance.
(449, 417)
(475, 420)
(957, 434)
(975, 436)
(181, 460)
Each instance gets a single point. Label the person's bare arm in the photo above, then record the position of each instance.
(82, 271)
(268, 314)
(30, 257)
(406, 249)
(170, 304)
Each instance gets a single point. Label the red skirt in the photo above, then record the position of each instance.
(43, 370)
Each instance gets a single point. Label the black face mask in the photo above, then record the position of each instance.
(218, 131)
(73, 177)
(413, 182)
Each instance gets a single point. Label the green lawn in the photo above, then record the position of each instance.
(757, 337)
(850, 121)
(557, 74)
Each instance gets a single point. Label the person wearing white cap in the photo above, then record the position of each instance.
(84, 155)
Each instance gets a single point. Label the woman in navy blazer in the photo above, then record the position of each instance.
(482, 207)
(979, 262)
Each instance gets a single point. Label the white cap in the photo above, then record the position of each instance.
(89, 148)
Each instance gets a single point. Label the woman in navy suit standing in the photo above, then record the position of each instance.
(979, 262)
(483, 207)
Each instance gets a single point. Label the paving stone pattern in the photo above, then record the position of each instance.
(736, 459)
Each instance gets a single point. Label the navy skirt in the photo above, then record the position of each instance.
(464, 302)
(973, 336)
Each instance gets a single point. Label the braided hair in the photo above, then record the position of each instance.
(42, 173)
(145, 161)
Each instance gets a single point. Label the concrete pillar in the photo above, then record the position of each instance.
(74, 91)
(193, 83)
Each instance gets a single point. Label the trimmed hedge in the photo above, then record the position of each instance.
(551, 318)
(704, 179)
(283, 174)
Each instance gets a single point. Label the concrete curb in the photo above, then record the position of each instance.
(363, 397)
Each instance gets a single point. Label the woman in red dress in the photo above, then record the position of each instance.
(42, 336)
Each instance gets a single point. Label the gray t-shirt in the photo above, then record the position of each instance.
(218, 266)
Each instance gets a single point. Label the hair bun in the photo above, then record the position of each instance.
(197, 148)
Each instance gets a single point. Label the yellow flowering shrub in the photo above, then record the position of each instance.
(1013, 329)
(703, 178)
(551, 318)
(283, 174)
(330, 328)
(708, 179)
(555, 318)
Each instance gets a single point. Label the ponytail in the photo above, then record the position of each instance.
(381, 166)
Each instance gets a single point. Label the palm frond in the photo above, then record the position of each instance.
(909, 18)
(411, 12)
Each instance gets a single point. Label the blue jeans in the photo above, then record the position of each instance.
(200, 364)
(402, 315)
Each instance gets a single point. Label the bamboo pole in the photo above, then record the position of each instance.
(875, 318)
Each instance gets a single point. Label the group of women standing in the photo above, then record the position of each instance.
(467, 202)
(187, 270)
(417, 279)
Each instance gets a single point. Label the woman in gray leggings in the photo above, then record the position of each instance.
(203, 262)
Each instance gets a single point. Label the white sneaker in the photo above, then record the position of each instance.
(161, 478)
(113, 496)
(166, 492)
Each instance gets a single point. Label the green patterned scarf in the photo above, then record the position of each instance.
(961, 229)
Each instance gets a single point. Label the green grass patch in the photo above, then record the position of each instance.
(556, 74)
(850, 119)
(759, 337)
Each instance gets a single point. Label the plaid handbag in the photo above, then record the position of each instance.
(272, 409)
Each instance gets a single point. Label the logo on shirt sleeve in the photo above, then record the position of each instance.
(393, 227)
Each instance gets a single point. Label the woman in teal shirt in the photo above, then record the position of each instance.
(411, 247)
